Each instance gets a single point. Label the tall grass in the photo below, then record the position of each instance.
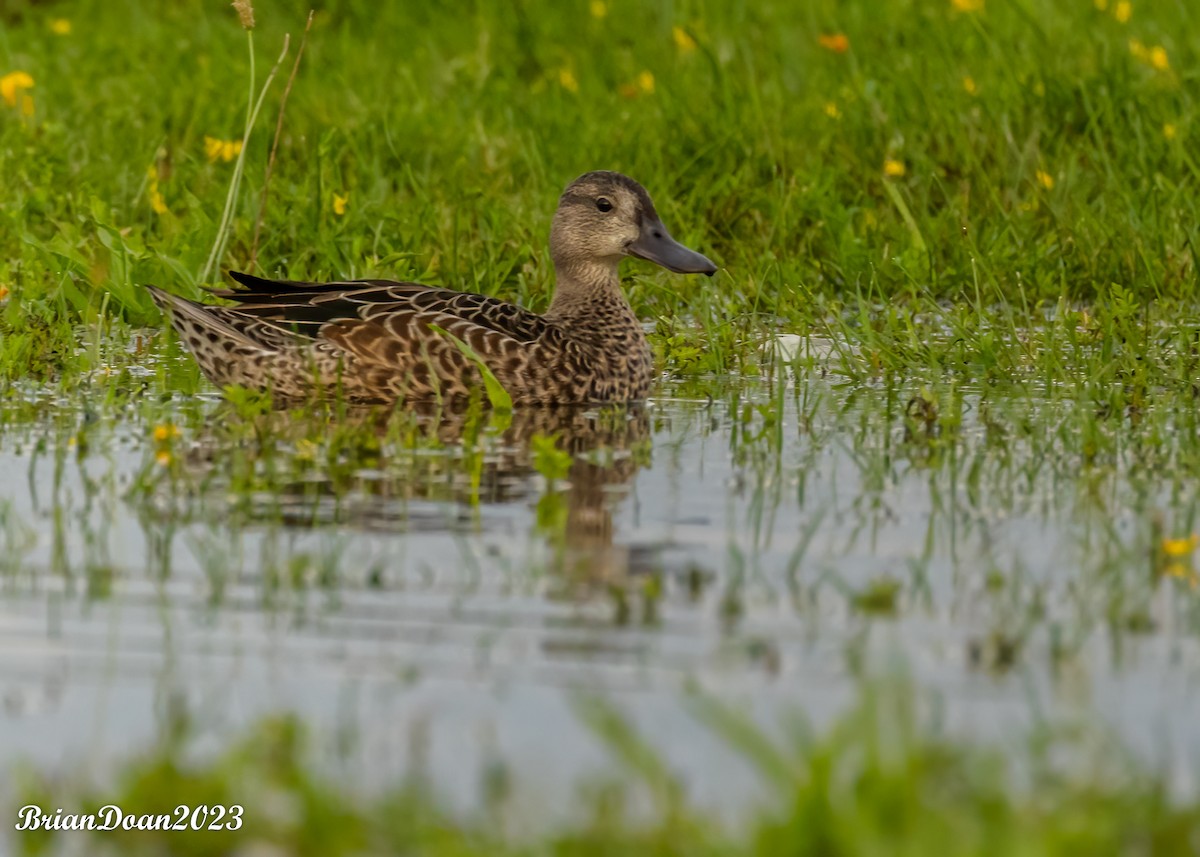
(1045, 151)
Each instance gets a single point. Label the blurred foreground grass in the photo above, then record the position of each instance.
(868, 786)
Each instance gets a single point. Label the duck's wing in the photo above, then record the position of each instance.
(396, 335)
(378, 340)
(316, 310)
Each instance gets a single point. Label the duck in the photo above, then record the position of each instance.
(377, 341)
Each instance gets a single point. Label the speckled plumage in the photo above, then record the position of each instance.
(383, 341)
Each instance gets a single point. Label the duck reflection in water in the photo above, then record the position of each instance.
(427, 469)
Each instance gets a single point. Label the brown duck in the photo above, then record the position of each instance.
(383, 341)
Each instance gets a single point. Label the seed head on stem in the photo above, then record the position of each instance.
(245, 10)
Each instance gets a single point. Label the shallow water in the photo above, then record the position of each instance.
(428, 597)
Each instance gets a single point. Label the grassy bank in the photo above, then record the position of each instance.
(833, 157)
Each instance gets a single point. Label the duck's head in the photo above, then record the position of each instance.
(603, 216)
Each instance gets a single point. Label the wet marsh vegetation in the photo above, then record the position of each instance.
(898, 556)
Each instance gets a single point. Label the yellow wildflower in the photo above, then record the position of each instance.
(567, 80)
(1176, 558)
(967, 5)
(4, 293)
(894, 169)
(162, 458)
(164, 432)
(969, 85)
(221, 150)
(13, 86)
(683, 40)
(1177, 548)
(1169, 130)
(60, 27)
(1101, 4)
(832, 110)
(1155, 56)
(339, 203)
(599, 8)
(157, 203)
(643, 84)
(1045, 179)
(836, 42)
(1123, 11)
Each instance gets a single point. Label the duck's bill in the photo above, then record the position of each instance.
(656, 245)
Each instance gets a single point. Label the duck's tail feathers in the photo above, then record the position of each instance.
(187, 315)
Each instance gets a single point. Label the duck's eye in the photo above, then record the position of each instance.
(603, 204)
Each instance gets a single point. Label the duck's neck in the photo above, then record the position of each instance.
(586, 289)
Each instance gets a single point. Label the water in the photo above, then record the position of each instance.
(432, 597)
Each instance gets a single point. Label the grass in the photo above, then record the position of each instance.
(1039, 237)
(1058, 173)
(981, 221)
(870, 786)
